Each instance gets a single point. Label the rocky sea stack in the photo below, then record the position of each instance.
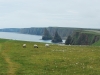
(56, 38)
(46, 35)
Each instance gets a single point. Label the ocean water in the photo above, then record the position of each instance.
(23, 37)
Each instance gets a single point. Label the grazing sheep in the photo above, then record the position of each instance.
(35, 46)
(24, 45)
(46, 45)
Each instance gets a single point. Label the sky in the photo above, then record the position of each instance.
(49, 13)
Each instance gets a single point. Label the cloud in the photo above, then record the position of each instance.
(30, 13)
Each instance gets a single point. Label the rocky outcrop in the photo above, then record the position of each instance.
(56, 38)
(46, 35)
(68, 40)
(95, 39)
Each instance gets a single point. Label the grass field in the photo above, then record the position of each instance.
(55, 60)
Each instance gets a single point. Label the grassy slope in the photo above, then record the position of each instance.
(96, 43)
(56, 60)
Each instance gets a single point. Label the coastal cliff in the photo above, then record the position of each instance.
(84, 37)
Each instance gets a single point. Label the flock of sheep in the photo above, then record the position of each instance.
(35, 45)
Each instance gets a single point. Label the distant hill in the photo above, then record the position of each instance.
(10, 30)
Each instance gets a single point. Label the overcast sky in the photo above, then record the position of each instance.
(45, 13)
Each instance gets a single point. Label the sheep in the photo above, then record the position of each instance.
(24, 45)
(35, 46)
(46, 45)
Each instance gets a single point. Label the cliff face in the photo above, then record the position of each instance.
(81, 38)
(62, 31)
(32, 31)
(56, 38)
(46, 35)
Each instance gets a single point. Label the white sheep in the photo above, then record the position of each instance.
(24, 45)
(46, 45)
(35, 46)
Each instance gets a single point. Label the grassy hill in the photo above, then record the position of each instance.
(55, 60)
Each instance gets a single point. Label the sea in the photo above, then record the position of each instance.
(23, 37)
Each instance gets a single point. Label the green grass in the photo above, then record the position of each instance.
(96, 43)
(3, 40)
(92, 32)
(55, 60)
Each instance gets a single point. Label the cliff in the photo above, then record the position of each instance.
(32, 31)
(62, 31)
(46, 35)
(56, 38)
(85, 37)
